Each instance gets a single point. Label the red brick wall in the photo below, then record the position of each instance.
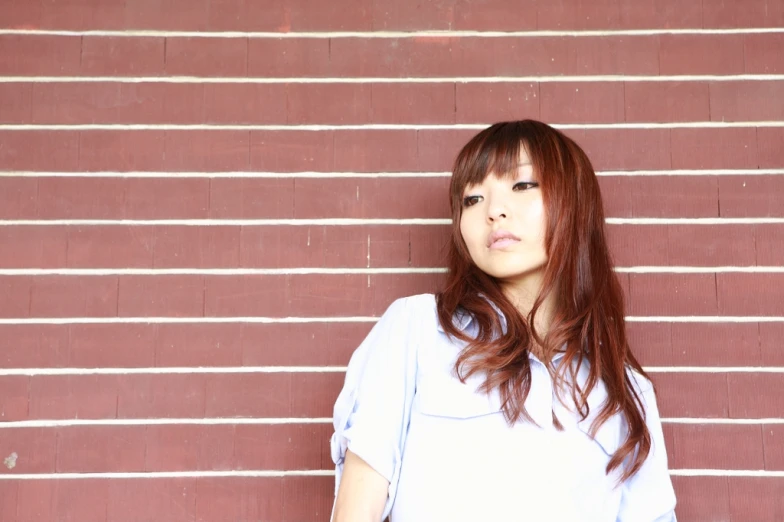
(199, 223)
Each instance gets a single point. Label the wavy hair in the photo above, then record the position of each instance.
(589, 316)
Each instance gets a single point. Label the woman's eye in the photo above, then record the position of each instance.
(471, 200)
(525, 185)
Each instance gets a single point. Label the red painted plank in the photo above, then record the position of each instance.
(668, 101)
(742, 13)
(243, 15)
(701, 54)
(331, 344)
(392, 103)
(308, 295)
(713, 395)
(763, 55)
(374, 150)
(207, 447)
(114, 55)
(441, 56)
(295, 499)
(363, 198)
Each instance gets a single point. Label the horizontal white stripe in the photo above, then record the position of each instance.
(172, 370)
(346, 80)
(726, 473)
(704, 319)
(166, 474)
(695, 420)
(128, 33)
(187, 320)
(317, 473)
(338, 319)
(223, 421)
(700, 269)
(690, 172)
(694, 221)
(237, 222)
(321, 369)
(363, 175)
(362, 221)
(378, 126)
(218, 271)
(714, 369)
(356, 271)
(222, 175)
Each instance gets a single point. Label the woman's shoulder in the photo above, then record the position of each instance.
(413, 325)
(418, 302)
(641, 383)
(420, 307)
(400, 326)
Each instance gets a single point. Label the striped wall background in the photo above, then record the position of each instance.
(205, 205)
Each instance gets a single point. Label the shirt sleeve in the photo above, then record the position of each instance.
(373, 409)
(648, 496)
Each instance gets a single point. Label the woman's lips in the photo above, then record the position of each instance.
(501, 239)
(503, 243)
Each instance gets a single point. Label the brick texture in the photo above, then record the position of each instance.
(154, 153)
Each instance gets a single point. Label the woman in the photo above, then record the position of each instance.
(512, 394)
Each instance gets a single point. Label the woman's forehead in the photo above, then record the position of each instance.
(523, 168)
(498, 160)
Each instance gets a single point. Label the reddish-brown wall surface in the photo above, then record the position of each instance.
(204, 204)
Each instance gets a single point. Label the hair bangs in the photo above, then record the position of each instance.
(496, 150)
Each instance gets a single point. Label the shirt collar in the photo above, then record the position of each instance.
(463, 320)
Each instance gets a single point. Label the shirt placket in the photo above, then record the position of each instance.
(542, 395)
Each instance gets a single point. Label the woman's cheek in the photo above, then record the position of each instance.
(467, 239)
(534, 218)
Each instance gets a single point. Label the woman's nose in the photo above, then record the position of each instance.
(497, 211)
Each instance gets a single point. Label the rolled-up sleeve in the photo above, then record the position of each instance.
(373, 409)
(648, 496)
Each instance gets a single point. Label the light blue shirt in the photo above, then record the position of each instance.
(449, 454)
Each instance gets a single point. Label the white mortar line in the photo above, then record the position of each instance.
(220, 421)
(350, 80)
(726, 473)
(167, 474)
(316, 473)
(356, 271)
(704, 319)
(224, 421)
(364, 175)
(346, 319)
(200, 370)
(375, 126)
(538, 33)
(361, 221)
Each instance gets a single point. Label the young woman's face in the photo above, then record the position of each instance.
(503, 225)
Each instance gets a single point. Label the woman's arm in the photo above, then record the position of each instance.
(372, 413)
(648, 496)
(362, 492)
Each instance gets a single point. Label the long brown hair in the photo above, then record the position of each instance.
(589, 318)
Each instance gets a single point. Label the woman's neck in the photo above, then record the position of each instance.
(523, 294)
